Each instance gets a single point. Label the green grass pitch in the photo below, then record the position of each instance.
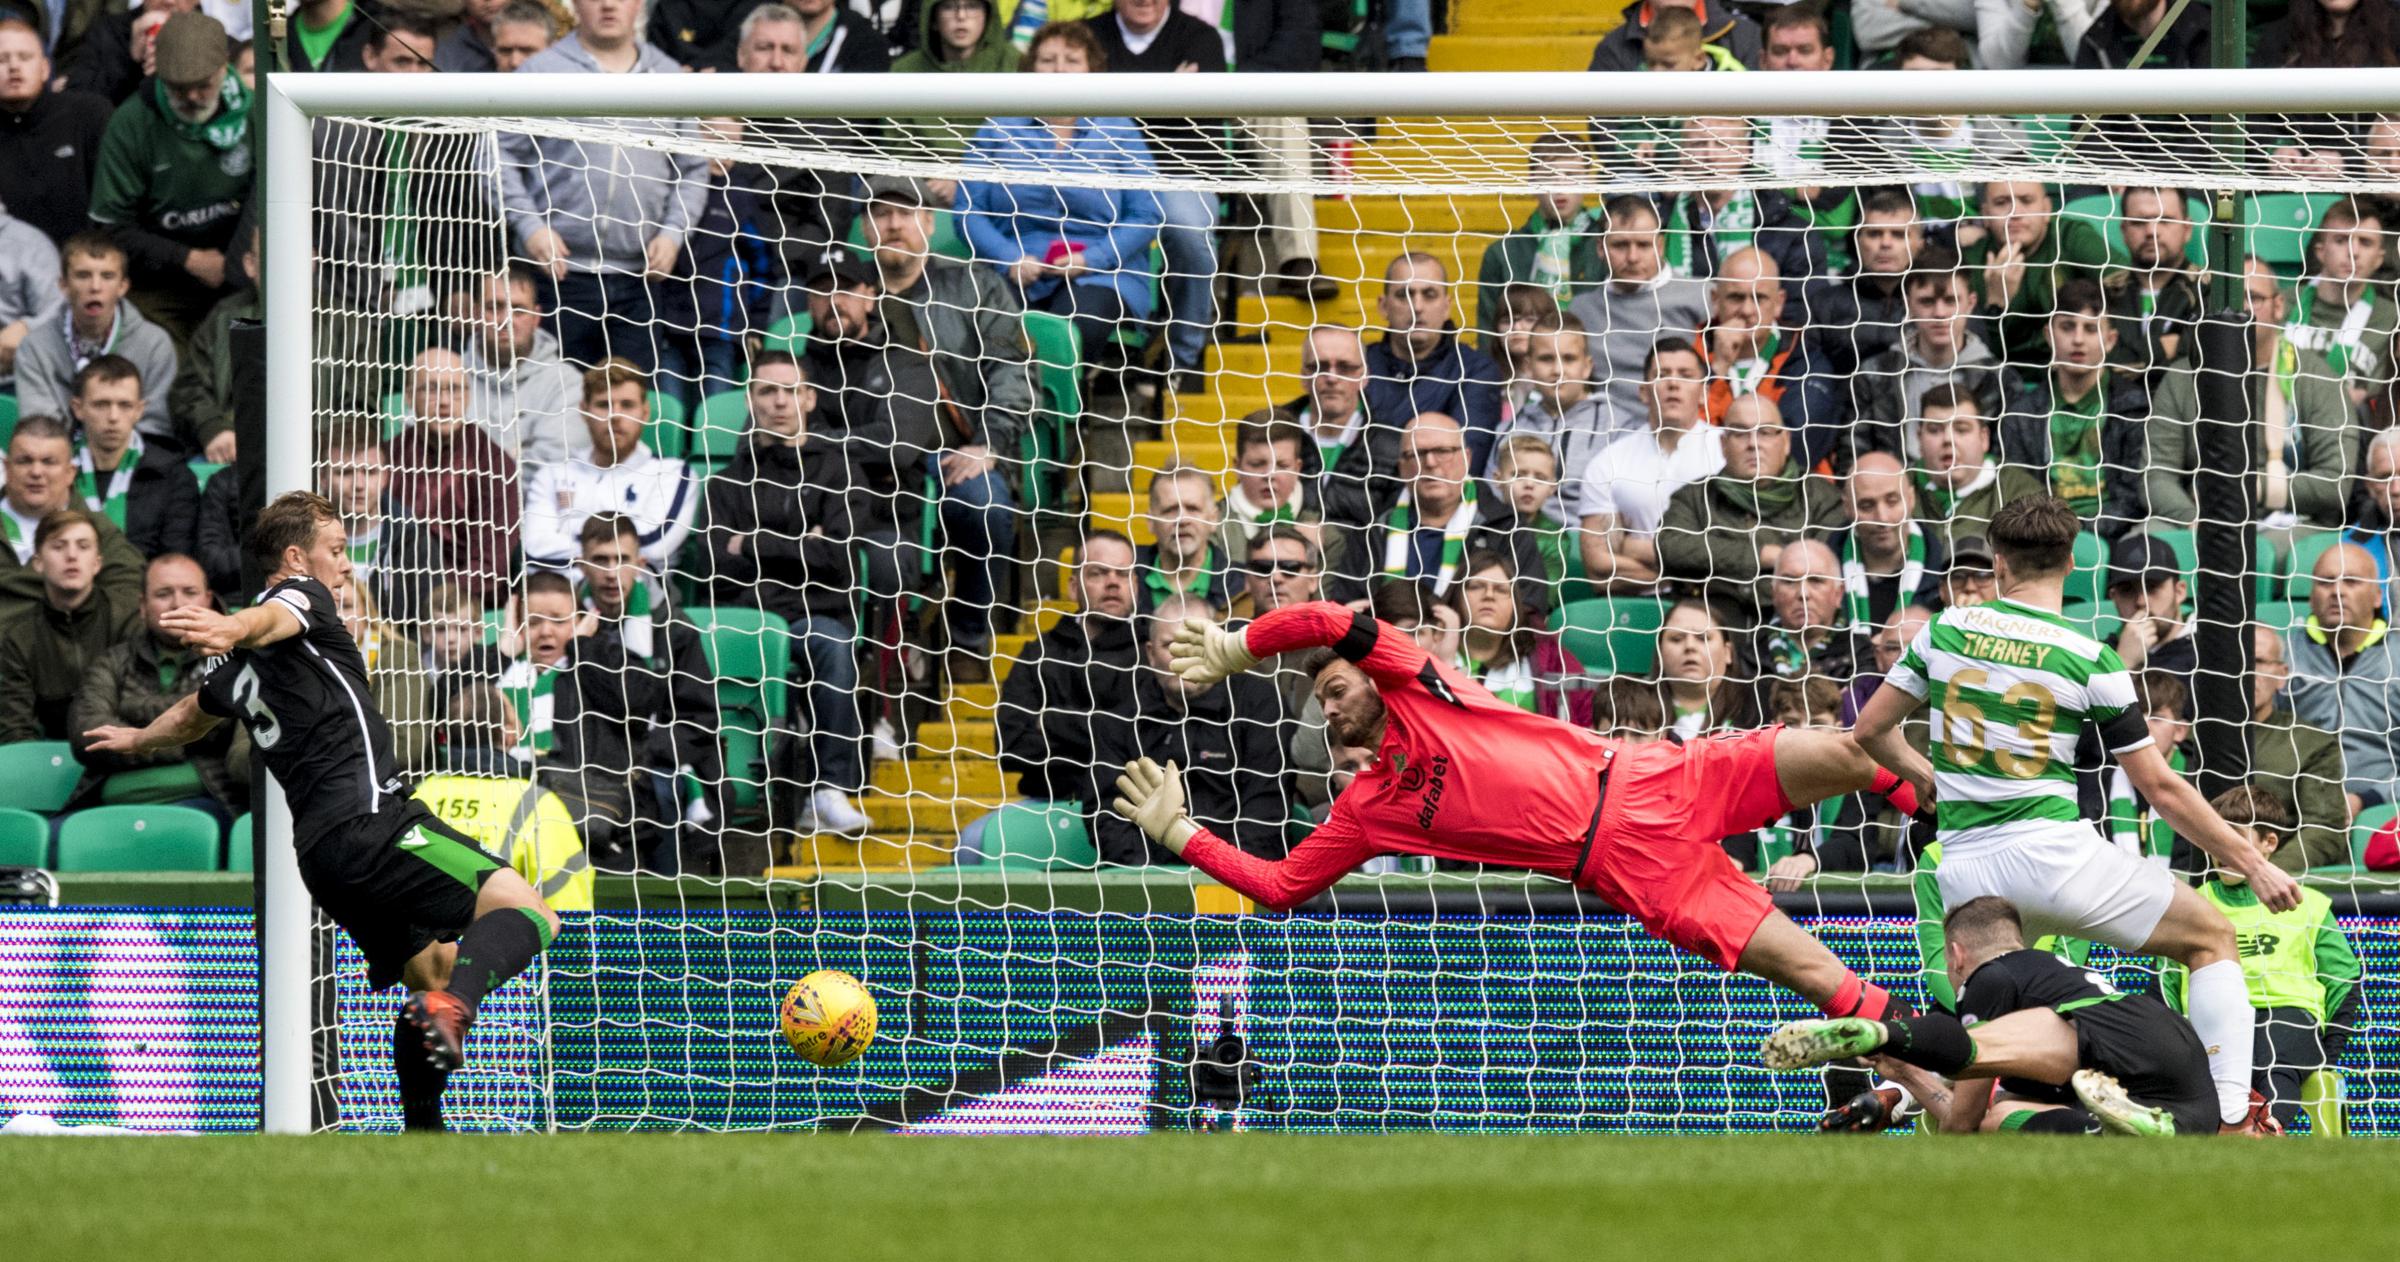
(773, 1198)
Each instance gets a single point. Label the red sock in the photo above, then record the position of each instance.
(1898, 792)
(1858, 997)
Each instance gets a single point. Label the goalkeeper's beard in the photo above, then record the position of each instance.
(1361, 728)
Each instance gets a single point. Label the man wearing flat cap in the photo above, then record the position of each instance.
(969, 325)
(174, 174)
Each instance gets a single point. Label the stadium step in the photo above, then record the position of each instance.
(1047, 614)
(871, 853)
(1408, 216)
(946, 778)
(971, 703)
(1542, 20)
(890, 816)
(967, 736)
(1229, 399)
(1602, 16)
(1209, 449)
(1296, 314)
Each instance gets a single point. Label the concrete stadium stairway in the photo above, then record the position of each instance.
(952, 775)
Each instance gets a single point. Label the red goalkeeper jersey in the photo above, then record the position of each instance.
(1460, 775)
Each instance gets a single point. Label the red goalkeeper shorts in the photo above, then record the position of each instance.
(1656, 852)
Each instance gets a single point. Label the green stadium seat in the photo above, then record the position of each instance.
(789, 334)
(2097, 621)
(38, 776)
(2362, 830)
(669, 425)
(237, 844)
(1026, 835)
(724, 418)
(2087, 583)
(2266, 563)
(2046, 134)
(2280, 616)
(2277, 227)
(1058, 374)
(24, 839)
(2306, 550)
(138, 839)
(1614, 635)
(750, 652)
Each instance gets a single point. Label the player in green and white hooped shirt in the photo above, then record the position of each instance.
(2013, 687)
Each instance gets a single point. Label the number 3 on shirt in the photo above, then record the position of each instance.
(1963, 731)
(263, 727)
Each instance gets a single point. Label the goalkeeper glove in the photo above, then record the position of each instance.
(1868, 1111)
(1152, 797)
(1204, 653)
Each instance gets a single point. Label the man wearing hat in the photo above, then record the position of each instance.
(1969, 580)
(174, 174)
(970, 327)
(2146, 584)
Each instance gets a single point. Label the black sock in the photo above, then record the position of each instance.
(1929, 1040)
(495, 948)
(420, 1083)
(2061, 1122)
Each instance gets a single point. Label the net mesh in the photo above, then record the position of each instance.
(827, 698)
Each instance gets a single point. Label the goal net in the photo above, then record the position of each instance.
(762, 513)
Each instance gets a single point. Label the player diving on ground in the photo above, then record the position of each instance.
(424, 904)
(2017, 687)
(1459, 774)
(2070, 1053)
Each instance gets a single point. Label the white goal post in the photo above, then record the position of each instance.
(293, 104)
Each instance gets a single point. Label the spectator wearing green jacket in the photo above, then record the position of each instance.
(2309, 433)
(44, 649)
(1558, 245)
(1721, 535)
(1960, 483)
(174, 174)
(2303, 976)
(954, 37)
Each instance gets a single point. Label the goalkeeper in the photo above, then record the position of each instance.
(1459, 774)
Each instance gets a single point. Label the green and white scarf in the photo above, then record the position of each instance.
(1399, 538)
(230, 126)
(1746, 375)
(1513, 684)
(635, 629)
(2337, 345)
(18, 531)
(1858, 604)
(1730, 228)
(528, 688)
(120, 481)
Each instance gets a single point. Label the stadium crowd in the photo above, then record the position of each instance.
(1697, 459)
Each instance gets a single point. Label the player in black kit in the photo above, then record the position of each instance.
(2071, 1053)
(423, 903)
